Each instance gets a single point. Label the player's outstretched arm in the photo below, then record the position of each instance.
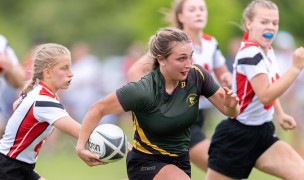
(108, 105)
(226, 101)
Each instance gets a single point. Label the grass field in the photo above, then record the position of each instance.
(63, 163)
(67, 166)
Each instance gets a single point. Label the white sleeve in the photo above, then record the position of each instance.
(49, 111)
(253, 64)
(254, 70)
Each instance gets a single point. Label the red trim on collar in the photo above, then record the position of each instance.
(46, 90)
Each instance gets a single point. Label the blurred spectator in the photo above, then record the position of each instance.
(292, 100)
(85, 88)
(284, 46)
(133, 53)
(233, 47)
(28, 61)
(12, 77)
(114, 73)
(111, 79)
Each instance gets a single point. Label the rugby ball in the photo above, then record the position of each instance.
(109, 142)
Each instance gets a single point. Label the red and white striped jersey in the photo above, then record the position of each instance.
(31, 124)
(250, 61)
(210, 57)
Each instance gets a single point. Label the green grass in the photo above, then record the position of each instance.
(62, 163)
(65, 165)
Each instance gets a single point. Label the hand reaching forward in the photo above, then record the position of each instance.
(89, 158)
(226, 101)
(230, 99)
(230, 103)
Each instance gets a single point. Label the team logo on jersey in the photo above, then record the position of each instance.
(183, 84)
(192, 99)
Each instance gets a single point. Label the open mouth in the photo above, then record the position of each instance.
(199, 20)
(184, 73)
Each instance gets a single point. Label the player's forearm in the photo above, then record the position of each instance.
(15, 76)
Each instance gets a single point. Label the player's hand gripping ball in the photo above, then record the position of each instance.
(109, 142)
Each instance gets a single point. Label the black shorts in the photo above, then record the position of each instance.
(196, 133)
(141, 166)
(12, 169)
(235, 147)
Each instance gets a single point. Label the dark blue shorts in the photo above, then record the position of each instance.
(196, 133)
(235, 147)
(12, 169)
(141, 166)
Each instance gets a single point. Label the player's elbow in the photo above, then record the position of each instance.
(266, 100)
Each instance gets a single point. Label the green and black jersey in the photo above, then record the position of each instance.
(162, 122)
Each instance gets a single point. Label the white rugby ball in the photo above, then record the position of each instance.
(109, 142)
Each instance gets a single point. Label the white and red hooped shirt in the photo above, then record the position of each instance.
(250, 61)
(210, 57)
(31, 124)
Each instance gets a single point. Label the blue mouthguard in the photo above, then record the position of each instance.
(268, 35)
